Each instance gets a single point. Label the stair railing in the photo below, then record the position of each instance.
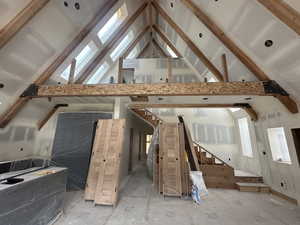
(213, 155)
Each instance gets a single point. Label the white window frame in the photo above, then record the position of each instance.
(245, 137)
(281, 155)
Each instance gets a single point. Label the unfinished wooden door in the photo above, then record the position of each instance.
(109, 169)
(101, 142)
(171, 166)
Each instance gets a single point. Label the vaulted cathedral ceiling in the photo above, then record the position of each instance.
(258, 43)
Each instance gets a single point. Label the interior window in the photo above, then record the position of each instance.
(122, 46)
(278, 145)
(98, 74)
(245, 137)
(171, 52)
(112, 24)
(82, 59)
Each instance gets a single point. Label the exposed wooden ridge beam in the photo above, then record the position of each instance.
(136, 41)
(22, 18)
(166, 40)
(158, 89)
(118, 35)
(245, 106)
(142, 52)
(13, 110)
(161, 51)
(284, 12)
(42, 122)
(238, 52)
(189, 42)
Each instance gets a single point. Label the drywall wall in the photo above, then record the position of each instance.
(284, 178)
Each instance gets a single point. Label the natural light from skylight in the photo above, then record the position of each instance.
(98, 74)
(82, 59)
(133, 54)
(112, 24)
(234, 109)
(171, 52)
(121, 46)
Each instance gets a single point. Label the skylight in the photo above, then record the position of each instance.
(234, 109)
(133, 54)
(171, 52)
(82, 59)
(112, 24)
(98, 74)
(122, 46)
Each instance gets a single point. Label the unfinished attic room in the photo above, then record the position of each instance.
(149, 112)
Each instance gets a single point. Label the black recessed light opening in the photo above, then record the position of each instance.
(200, 35)
(282, 184)
(21, 149)
(66, 4)
(172, 4)
(58, 83)
(1, 85)
(269, 43)
(160, 99)
(247, 99)
(205, 99)
(77, 6)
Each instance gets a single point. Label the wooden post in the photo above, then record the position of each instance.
(120, 71)
(72, 72)
(225, 68)
(169, 66)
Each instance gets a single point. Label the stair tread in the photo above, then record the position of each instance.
(252, 184)
(240, 173)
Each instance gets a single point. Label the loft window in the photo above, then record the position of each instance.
(171, 52)
(112, 24)
(98, 74)
(278, 145)
(245, 137)
(122, 46)
(82, 59)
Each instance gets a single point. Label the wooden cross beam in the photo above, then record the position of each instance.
(284, 12)
(121, 31)
(189, 42)
(16, 107)
(22, 18)
(159, 89)
(245, 106)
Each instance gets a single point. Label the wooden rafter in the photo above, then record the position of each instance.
(119, 34)
(225, 68)
(161, 51)
(146, 47)
(22, 18)
(158, 89)
(42, 122)
(189, 42)
(284, 12)
(245, 106)
(166, 40)
(16, 107)
(289, 103)
(135, 42)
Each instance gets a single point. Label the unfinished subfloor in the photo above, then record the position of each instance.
(139, 204)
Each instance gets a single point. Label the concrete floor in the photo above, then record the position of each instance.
(139, 204)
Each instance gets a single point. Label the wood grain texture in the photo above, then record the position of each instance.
(284, 12)
(189, 42)
(110, 44)
(158, 89)
(21, 19)
(166, 40)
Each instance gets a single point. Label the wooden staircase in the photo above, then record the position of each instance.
(216, 172)
(147, 116)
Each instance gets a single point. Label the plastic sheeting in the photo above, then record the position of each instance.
(199, 190)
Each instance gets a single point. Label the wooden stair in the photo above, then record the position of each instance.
(147, 116)
(253, 187)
